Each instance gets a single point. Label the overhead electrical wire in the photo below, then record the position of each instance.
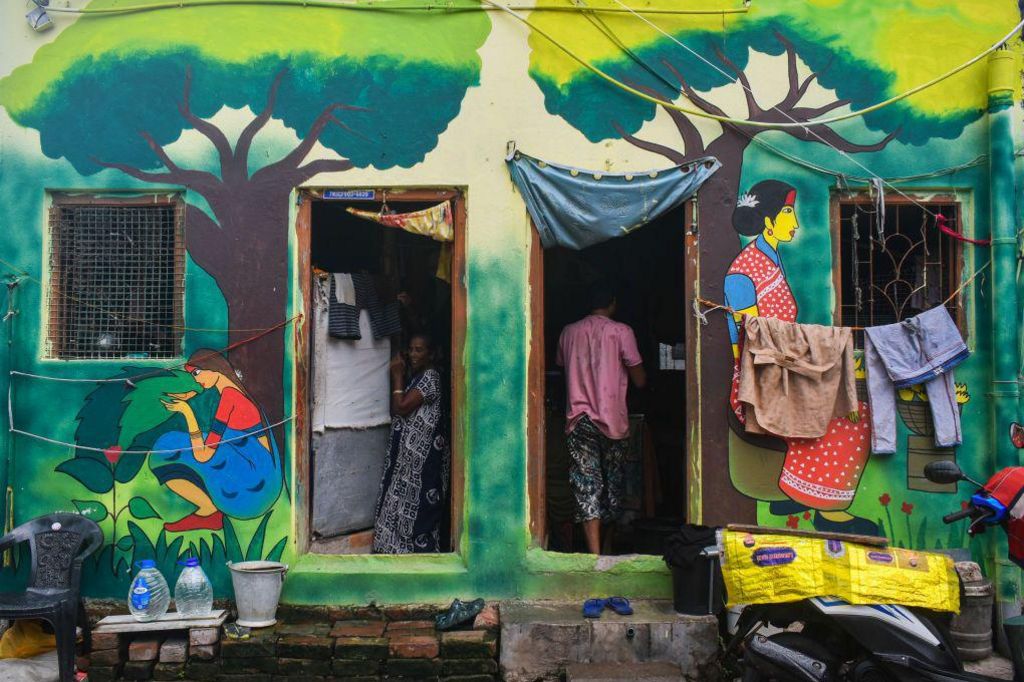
(739, 121)
(372, 6)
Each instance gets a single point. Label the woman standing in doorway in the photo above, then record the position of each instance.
(817, 473)
(234, 468)
(414, 488)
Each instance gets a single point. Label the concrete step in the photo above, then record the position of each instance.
(539, 640)
(615, 672)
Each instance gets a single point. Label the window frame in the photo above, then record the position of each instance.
(917, 196)
(59, 200)
(303, 357)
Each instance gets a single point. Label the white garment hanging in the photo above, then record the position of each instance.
(344, 289)
(350, 378)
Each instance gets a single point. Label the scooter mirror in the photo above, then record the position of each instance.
(943, 472)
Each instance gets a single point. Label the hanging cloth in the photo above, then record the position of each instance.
(579, 208)
(436, 222)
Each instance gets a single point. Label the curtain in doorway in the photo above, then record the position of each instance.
(577, 208)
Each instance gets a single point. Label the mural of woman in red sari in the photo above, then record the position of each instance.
(815, 473)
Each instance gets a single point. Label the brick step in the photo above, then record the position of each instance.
(611, 672)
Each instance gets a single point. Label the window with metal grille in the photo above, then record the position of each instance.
(116, 278)
(895, 268)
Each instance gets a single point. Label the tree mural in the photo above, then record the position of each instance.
(237, 107)
(855, 66)
(123, 106)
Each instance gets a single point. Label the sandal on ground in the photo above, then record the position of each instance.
(592, 608)
(620, 605)
(459, 613)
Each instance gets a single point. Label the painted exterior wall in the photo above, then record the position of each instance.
(237, 106)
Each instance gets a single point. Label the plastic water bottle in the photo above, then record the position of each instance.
(149, 595)
(193, 593)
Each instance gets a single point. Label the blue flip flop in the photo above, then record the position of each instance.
(592, 608)
(619, 605)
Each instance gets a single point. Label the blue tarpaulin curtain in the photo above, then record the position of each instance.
(578, 208)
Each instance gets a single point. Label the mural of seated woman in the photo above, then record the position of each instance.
(235, 467)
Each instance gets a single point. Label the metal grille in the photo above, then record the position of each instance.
(116, 280)
(899, 271)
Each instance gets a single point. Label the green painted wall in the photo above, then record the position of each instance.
(172, 101)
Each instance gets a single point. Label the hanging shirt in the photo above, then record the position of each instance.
(595, 353)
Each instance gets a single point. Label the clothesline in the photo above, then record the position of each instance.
(713, 306)
(156, 372)
(54, 441)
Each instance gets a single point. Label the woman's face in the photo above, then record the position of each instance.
(784, 226)
(419, 353)
(205, 377)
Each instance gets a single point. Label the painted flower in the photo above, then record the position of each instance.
(884, 499)
(793, 521)
(907, 508)
(113, 453)
(807, 516)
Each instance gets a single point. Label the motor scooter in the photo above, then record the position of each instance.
(843, 642)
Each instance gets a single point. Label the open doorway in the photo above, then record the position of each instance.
(380, 463)
(647, 269)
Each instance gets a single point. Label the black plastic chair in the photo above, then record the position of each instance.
(58, 543)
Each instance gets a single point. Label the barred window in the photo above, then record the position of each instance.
(116, 278)
(894, 269)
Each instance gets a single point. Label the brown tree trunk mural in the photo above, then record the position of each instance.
(719, 243)
(244, 246)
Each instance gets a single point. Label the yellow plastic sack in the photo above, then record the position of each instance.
(26, 639)
(765, 569)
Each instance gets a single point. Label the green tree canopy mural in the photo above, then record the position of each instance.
(377, 88)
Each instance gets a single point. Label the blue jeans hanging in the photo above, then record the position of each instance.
(921, 350)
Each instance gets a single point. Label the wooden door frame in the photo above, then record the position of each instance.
(303, 350)
(535, 412)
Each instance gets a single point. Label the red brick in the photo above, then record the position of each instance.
(371, 612)
(105, 640)
(203, 636)
(138, 670)
(468, 644)
(204, 652)
(413, 646)
(144, 649)
(410, 612)
(488, 619)
(361, 648)
(358, 628)
(407, 625)
(305, 646)
(174, 650)
(106, 657)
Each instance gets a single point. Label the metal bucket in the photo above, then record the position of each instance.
(257, 587)
(971, 629)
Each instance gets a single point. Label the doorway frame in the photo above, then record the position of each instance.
(535, 415)
(303, 350)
